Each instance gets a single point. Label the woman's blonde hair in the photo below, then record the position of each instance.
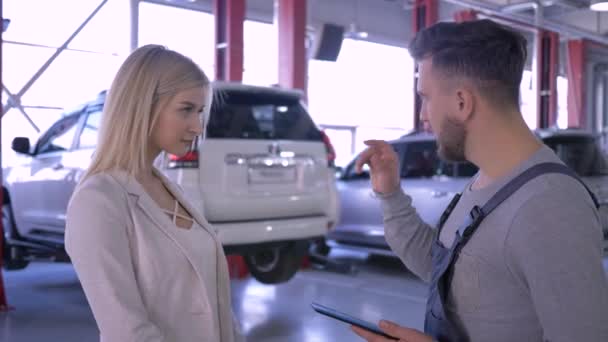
(150, 76)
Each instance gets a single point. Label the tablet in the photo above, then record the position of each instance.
(349, 319)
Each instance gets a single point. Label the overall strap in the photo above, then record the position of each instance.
(477, 214)
(447, 212)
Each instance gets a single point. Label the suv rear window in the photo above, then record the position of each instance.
(580, 153)
(246, 115)
(421, 160)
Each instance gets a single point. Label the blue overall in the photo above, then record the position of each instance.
(436, 322)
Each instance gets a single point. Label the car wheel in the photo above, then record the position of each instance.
(321, 248)
(275, 265)
(13, 257)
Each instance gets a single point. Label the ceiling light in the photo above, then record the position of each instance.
(354, 32)
(599, 5)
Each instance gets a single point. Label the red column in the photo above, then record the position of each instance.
(465, 15)
(576, 84)
(229, 18)
(424, 15)
(546, 88)
(293, 61)
(3, 302)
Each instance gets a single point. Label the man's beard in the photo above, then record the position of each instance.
(452, 140)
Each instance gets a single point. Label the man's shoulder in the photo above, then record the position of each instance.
(554, 204)
(556, 188)
(550, 184)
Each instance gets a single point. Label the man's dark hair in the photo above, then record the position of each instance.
(492, 56)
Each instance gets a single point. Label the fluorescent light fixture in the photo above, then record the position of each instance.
(599, 5)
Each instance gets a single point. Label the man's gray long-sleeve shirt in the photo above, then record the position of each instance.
(533, 269)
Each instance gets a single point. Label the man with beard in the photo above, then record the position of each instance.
(517, 255)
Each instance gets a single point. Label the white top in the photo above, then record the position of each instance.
(202, 246)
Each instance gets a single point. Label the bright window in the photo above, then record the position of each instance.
(359, 90)
(528, 99)
(74, 76)
(261, 51)
(562, 102)
(188, 32)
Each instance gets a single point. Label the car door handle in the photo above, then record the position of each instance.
(57, 166)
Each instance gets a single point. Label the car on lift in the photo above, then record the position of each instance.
(263, 177)
(432, 183)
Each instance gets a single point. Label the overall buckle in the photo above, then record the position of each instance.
(477, 215)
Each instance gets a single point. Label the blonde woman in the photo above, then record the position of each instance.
(150, 265)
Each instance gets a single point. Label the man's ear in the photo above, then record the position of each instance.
(466, 102)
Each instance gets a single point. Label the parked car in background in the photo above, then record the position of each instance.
(432, 183)
(263, 178)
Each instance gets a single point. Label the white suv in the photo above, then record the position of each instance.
(263, 177)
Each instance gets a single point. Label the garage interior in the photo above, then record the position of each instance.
(348, 59)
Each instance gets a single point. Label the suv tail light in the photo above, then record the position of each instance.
(331, 152)
(187, 161)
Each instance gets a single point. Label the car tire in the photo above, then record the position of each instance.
(13, 257)
(275, 265)
(321, 248)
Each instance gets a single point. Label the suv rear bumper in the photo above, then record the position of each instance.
(362, 248)
(300, 246)
(253, 232)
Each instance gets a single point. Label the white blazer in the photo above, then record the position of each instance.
(127, 257)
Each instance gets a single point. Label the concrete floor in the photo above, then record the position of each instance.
(50, 305)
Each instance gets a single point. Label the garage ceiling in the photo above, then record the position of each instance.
(389, 21)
